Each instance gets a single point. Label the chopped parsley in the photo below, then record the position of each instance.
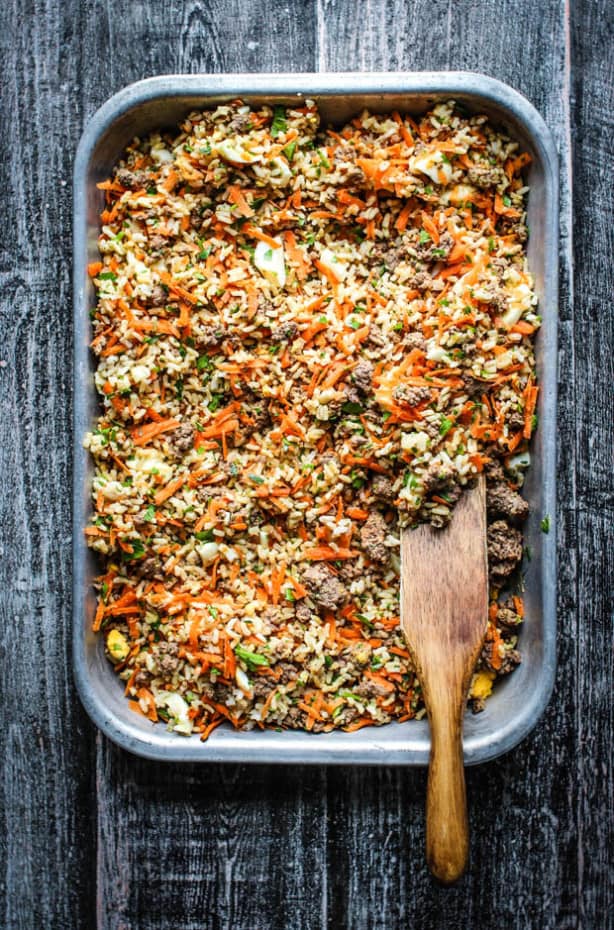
(251, 659)
(280, 123)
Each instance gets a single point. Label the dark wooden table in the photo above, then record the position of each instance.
(92, 837)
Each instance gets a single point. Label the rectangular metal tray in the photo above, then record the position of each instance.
(519, 700)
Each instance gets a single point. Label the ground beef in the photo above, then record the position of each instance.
(376, 337)
(493, 296)
(263, 686)
(411, 396)
(142, 679)
(385, 254)
(504, 550)
(133, 180)
(324, 587)
(285, 333)
(477, 705)
(349, 571)
(240, 123)
(508, 618)
(181, 439)
(150, 567)
(362, 375)
(370, 689)
(484, 176)
(210, 337)
(473, 387)
(494, 471)
(274, 617)
(502, 665)
(159, 297)
(257, 408)
(501, 501)
(288, 672)
(429, 252)
(213, 490)
(515, 420)
(302, 612)
(511, 659)
(414, 341)
(372, 536)
(382, 489)
(166, 658)
(437, 476)
(422, 281)
(157, 242)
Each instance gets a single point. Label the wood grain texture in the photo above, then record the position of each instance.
(46, 745)
(444, 627)
(87, 828)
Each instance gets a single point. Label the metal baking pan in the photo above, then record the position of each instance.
(519, 700)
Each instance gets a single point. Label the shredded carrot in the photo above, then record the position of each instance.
(147, 697)
(170, 489)
(235, 195)
(261, 236)
(142, 435)
(328, 554)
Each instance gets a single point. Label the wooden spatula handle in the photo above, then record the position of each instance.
(447, 829)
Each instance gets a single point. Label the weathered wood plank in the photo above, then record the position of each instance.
(46, 755)
(592, 95)
(213, 846)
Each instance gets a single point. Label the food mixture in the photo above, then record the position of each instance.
(306, 339)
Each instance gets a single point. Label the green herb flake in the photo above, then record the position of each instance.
(215, 402)
(352, 407)
(445, 426)
(545, 524)
(150, 513)
(205, 536)
(138, 550)
(423, 237)
(251, 659)
(257, 479)
(280, 123)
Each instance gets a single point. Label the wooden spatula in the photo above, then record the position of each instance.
(444, 610)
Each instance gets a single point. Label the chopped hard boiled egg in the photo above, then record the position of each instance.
(117, 646)
(236, 152)
(270, 262)
(519, 299)
(482, 685)
(434, 165)
(177, 709)
(276, 172)
(337, 268)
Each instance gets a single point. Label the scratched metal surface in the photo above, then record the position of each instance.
(95, 838)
